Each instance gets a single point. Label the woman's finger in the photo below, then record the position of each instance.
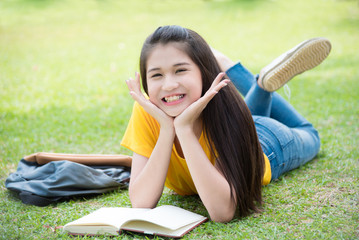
(216, 86)
(217, 80)
(134, 84)
(134, 88)
(220, 85)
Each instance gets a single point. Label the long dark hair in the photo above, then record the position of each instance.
(227, 121)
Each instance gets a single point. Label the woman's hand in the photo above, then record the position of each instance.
(135, 91)
(189, 116)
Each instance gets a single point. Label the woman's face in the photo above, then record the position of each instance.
(174, 81)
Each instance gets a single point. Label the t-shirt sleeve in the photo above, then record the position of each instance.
(142, 132)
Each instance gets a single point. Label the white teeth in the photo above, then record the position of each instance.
(173, 98)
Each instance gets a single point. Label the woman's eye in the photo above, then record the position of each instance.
(180, 70)
(156, 75)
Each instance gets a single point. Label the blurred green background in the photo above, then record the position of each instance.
(62, 70)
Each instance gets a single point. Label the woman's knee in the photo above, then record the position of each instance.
(310, 140)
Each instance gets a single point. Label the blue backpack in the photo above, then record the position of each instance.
(45, 178)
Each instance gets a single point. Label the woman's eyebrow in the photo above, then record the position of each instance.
(175, 65)
(153, 69)
(181, 64)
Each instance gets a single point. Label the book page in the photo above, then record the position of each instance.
(163, 220)
(170, 217)
(112, 218)
(150, 228)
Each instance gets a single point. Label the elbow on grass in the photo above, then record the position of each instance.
(221, 219)
(138, 202)
(141, 204)
(222, 216)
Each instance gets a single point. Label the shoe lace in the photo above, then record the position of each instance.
(287, 91)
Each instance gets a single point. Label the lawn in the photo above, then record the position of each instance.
(63, 66)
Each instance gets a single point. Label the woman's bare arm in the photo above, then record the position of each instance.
(148, 175)
(212, 187)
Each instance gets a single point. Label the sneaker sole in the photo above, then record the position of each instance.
(307, 55)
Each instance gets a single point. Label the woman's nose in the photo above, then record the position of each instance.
(169, 84)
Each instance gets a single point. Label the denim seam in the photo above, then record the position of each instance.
(268, 143)
(272, 159)
(271, 132)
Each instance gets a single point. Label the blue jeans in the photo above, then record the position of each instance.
(286, 137)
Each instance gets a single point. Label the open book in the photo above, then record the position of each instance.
(167, 221)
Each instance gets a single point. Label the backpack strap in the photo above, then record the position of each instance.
(86, 159)
(33, 199)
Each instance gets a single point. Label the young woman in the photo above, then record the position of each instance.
(194, 133)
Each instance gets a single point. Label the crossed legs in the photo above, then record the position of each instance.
(287, 138)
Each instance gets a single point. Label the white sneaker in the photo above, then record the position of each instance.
(302, 57)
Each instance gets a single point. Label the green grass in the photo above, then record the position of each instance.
(62, 70)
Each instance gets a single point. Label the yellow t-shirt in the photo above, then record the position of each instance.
(141, 137)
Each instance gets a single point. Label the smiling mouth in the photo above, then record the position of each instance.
(172, 98)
